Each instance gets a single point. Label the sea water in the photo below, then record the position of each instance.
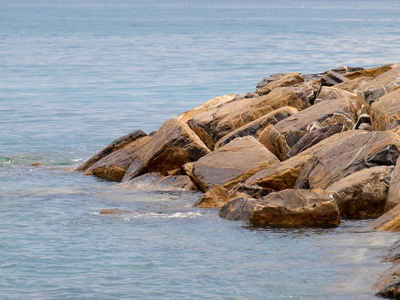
(75, 75)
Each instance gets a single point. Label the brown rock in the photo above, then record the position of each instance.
(334, 93)
(332, 78)
(36, 165)
(389, 283)
(214, 124)
(311, 88)
(239, 208)
(114, 146)
(349, 155)
(217, 196)
(114, 211)
(389, 221)
(285, 208)
(156, 181)
(209, 105)
(393, 197)
(374, 72)
(273, 178)
(255, 127)
(283, 81)
(232, 163)
(114, 165)
(385, 110)
(286, 133)
(172, 146)
(264, 139)
(381, 85)
(361, 194)
(314, 137)
(354, 84)
(268, 79)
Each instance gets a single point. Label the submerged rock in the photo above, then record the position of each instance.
(285, 208)
(381, 85)
(156, 181)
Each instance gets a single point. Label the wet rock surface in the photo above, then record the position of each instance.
(285, 208)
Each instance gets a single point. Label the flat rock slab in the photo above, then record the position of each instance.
(114, 146)
(362, 194)
(349, 155)
(286, 208)
(232, 163)
(155, 181)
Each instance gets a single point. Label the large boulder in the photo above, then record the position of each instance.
(215, 123)
(172, 146)
(349, 155)
(255, 127)
(362, 194)
(283, 81)
(286, 133)
(385, 110)
(393, 197)
(114, 165)
(232, 163)
(285, 208)
(382, 85)
(156, 181)
(114, 146)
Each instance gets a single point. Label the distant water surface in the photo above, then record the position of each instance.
(75, 75)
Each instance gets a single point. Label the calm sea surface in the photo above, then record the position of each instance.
(75, 75)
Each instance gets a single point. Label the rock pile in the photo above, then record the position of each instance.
(330, 136)
(302, 150)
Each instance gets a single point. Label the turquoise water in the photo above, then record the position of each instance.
(74, 76)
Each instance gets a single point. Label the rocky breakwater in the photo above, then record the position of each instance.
(301, 150)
